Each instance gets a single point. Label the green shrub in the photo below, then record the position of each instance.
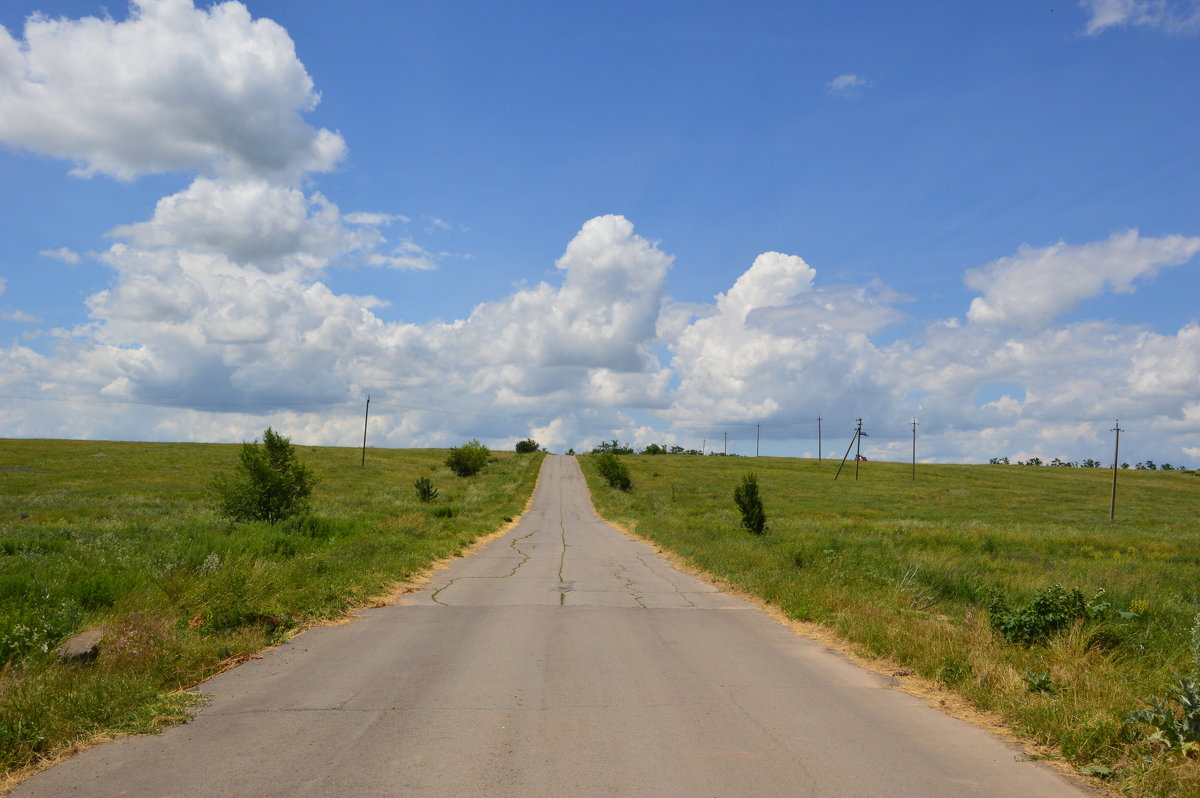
(1051, 610)
(746, 497)
(527, 446)
(1177, 730)
(267, 484)
(426, 492)
(468, 459)
(615, 473)
(1039, 682)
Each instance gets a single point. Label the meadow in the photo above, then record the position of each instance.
(124, 536)
(904, 572)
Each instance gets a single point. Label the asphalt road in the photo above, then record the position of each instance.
(563, 660)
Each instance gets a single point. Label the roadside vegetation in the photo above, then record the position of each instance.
(1006, 585)
(131, 538)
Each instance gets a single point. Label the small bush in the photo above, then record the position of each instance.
(1039, 682)
(613, 470)
(1051, 610)
(527, 446)
(442, 511)
(267, 484)
(1177, 730)
(426, 492)
(746, 497)
(468, 459)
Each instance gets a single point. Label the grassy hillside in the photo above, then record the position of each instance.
(122, 535)
(906, 570)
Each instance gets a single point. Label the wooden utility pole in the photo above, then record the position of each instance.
(757, 437)
(366, 415)
(914, 459)
(858, 436)
(818, 439)
(726, 444)
(1112, 504)
(857, 431)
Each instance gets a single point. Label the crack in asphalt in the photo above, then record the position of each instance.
(562, 560)
(513, 543)
(633, 592)
(670, 582)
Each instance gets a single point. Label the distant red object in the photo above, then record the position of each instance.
(860, 458)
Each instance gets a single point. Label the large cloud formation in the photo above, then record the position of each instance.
(173, 87)
(220, 318)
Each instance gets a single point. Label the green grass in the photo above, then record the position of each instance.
(122, 535)
(904, 570)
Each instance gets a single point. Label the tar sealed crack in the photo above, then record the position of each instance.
(513, 543)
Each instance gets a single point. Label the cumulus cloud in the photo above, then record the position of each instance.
(1037, 284)
(1172, 16)
(849, 85)
(187, 325)
(19, 316)
(62, 253)
(172, 87)
(253, 222)
(776, 348)
(592, 332)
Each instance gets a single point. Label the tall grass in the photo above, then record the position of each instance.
(904, 570)
(122, 536)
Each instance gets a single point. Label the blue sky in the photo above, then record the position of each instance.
(651, 221)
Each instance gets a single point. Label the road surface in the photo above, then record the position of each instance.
(562, 660)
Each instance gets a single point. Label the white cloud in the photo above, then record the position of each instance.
(188, 325)
(587, 341)
(778, 349)
(1035, 285)
(62, 253)
(172, 87)
(1171, 16)
(19, 316)
(849, 85)
(375, 219)
(254, 222)
(405, 255)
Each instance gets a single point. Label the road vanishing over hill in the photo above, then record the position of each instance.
(563, 660)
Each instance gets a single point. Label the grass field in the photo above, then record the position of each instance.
(121, 535)
(904, 571)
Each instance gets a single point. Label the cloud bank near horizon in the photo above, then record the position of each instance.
(220, 317)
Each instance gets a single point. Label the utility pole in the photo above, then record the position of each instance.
(1112, 505)
(726, 444)
(366, 415)
(703, 445)
(858, 436)
(757, 437)
(818, 439)
(914, 459)
(857, 432)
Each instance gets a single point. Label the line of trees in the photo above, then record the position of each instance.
(616, 447)
(1145, 465)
